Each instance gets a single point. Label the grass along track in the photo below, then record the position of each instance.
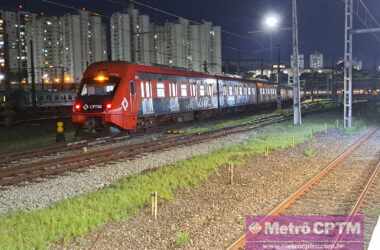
(296, 197)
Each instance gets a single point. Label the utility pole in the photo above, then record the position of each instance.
(34, 101)
(349, 6)
(296, 69)
(278, 91)
(239, 61)
(349, 31)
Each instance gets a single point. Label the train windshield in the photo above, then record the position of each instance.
(92, 87)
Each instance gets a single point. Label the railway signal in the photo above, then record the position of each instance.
(60, 132)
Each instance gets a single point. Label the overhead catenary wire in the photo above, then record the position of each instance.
(178, 16)
(362, 17)
(149, 7)
(152, 8)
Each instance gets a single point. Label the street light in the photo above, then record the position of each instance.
(271, 22)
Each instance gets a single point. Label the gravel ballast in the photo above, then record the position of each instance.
(213, 214)
(42, 194)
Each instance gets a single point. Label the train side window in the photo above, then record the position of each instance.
(201, 90)
(160, 89)
(209, 90)
(132, 87)
(230, 92)
(183, 90)
(148, 88)
(249, 91)
(142, 85)
(173, 90)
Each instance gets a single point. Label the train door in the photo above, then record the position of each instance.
(132, 97)
(173, 97)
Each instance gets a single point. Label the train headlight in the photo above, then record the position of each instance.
(108, 106)
(77, 107)
(101, 78)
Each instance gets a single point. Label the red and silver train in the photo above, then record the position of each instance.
(128, 95)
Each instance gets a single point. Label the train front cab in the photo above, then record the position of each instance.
(107, 97)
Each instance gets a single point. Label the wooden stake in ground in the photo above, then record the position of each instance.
(293, 141)
(154, 196)
(231, 170)
(266, 151)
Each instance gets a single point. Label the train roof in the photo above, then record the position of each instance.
(176, 71)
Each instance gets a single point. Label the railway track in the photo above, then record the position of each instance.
(9, 158)
(290, 203)
(52, 167)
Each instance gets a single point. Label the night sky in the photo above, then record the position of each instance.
(321, 23)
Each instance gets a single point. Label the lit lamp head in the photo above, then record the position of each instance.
(271, 22)
(101, 77)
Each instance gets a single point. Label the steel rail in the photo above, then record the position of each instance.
(360, 201)
(290, 200)
(41, 169)
(8, 157)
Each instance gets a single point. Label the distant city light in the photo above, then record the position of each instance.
(2, 76)
(67, 79)
(271, 21)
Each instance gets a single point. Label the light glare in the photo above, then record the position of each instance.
(271, 21)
